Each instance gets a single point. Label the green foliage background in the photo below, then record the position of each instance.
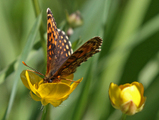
(130, 33)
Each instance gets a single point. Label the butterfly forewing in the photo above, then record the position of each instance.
(80, 55)
(58, 46)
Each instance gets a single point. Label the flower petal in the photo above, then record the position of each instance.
(55, 103)
(33, 78)
(74, 85)
(131, 93)
(114, 92)
(32, 86)
(54, 91)
(24, 80)
(143, 99)
(124, 86)
(35, 97)
(139, 86)
(45, 101)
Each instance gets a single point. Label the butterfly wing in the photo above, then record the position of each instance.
(58, 46)
(80, 55)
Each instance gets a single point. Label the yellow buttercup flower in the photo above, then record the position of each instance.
(128, 97)
(54, 93)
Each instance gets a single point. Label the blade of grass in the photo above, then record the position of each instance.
(124, 33)
(131, 20)
(150, 28)
(23, 57)
(42, 31)
(7, 71)
(82, 100)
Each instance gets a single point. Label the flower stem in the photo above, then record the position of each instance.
(123, 117)
(46, 113)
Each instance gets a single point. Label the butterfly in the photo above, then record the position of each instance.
(61, 60)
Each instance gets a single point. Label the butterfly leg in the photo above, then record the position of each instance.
(70, 80)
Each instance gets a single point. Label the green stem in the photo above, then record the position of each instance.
(123, 117)
(42, 31)
(46, 113)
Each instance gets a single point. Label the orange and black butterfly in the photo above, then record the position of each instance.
(61, 61)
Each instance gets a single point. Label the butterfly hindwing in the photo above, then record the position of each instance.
(80, 55)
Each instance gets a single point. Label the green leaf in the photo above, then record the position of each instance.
(7, 71)
(24, 54)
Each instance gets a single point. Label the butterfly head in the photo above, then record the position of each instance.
(48, 80)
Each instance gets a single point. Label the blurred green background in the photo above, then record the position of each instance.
(130, 33)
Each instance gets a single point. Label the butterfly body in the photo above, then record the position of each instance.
(61, 61)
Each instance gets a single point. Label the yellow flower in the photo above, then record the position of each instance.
(128, 97)
(54, 93)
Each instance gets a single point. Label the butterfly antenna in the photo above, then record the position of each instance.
(34, 70)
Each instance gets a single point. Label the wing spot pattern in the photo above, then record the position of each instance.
(64, 40)
(67, 37)
(70, 43)
(58, 30)
(69, 53)
(49, 47)
(63, 32)
(67, 47)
